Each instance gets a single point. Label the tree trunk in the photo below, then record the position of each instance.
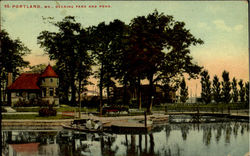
(101, 87)
(5, 91)
(66, 94)
(139, 93)
(108, 94)
(1, 93)
(125, 101)
(151, 94)
(73, 93)
(79, 98)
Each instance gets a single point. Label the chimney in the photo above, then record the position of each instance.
(10, 79)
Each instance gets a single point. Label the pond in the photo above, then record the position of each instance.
(175, 139)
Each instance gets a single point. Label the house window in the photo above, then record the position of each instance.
(17, 94)
(51, 80)
(44, 92)
(51, 91)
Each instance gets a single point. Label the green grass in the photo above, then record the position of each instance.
(27, 109)
(202, 107)
(34, 117)
(63, 108)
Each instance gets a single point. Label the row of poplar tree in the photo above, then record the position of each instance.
(224, 91)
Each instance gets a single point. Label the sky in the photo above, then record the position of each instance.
(222, 25)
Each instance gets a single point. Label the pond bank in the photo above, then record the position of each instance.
(155, 118)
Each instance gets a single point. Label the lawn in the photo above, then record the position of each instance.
(202, 107)
(63, 108)
(34, 117)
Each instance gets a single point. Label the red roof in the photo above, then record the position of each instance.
(26, 81)
(26, 148)
(49, 72)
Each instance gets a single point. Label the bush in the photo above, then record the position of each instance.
(114, 109)
(47, 112)
(92, 102)
(31, 103)
(22, 103)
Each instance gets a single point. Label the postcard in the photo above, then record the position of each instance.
(124, 78)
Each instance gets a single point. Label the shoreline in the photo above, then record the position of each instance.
(47, 123)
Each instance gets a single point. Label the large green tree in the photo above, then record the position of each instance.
(106, 45)
(163, 46)
(206, 91)
(216, 90)
(226, 87)
(11, 58)
(69, 47)
(235, 93)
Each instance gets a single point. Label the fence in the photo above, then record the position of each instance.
(215, 110)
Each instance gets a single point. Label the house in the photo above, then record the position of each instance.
(160, 96)
(30, 86)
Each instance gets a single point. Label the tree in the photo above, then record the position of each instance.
(241, 91)
(247, 92)
(184, 91)
(226, 87)
(206, 93)
(11, 56)
(163, 46)
(216, 89)
(106, 45)
(69, 47)
(235, 93)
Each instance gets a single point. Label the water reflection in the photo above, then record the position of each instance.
(169, 140)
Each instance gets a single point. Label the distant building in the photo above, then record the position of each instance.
(160, 96)
(30, 86)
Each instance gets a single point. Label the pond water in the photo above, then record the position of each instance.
(175, 139)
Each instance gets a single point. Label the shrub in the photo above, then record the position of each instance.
(92, 102)
(31, 103)
(21, 103)
(41, 103)
(47, 112)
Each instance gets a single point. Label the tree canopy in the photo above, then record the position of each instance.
(216, 90)
(226, 87)
(69, 47)
(206, 91)
(11, 56)
(162, 45)
(153, 47)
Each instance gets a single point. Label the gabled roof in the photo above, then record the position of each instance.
(49, 72)
(26, 81)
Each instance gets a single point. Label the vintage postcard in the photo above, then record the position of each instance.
(120, 78)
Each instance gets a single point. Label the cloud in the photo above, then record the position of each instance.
(203, 25)
(238, 27)
(220, 24)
